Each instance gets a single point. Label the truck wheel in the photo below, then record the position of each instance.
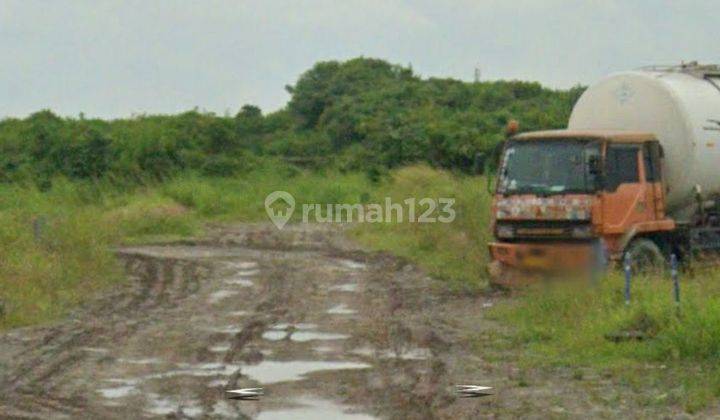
(645, 256)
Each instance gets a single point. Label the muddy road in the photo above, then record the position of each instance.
(327, 330)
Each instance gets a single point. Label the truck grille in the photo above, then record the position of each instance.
(541, 229)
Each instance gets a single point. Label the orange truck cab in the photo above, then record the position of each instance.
(565, 198)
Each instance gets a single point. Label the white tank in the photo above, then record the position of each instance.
(681, 106)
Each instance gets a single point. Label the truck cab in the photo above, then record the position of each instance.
(564, 197)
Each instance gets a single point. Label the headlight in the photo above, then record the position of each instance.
(504, 231)
(582, 231)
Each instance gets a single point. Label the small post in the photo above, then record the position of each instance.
(675, 278)
(599, 262)
(38, 227)
(628, 276)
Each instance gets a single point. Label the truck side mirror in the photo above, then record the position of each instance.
(494, 165)
(497, 152)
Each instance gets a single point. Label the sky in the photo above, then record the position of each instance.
(117, 58)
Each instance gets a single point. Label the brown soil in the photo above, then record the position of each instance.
(328, 330)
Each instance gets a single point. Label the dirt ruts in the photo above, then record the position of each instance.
(327, 329)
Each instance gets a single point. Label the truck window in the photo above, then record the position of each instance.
(648, 165)
(621, 163)
(651, 158)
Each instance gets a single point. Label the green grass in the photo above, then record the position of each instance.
(42, 278)
(453, 252)
(55, 246)
(567, 324)
(243, 198)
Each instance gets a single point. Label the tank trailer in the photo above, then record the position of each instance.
(636, 172)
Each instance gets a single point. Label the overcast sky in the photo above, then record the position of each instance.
(112, 58)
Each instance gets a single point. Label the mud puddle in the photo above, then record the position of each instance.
(195, 321)
(327, 330)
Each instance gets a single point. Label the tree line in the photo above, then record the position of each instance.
(362, 114)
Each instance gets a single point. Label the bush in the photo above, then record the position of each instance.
(366, 112)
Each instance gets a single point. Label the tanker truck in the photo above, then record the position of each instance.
(636, 172)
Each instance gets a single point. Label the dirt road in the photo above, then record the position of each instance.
(328, 330)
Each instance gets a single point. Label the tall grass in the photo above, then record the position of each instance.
(570, 324)
(55, 245)
(243, 198)
(41, 278)
(455, 252)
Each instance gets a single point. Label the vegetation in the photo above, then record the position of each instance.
(456, 252)
(56, 243)
(570, 325)
(63, 179)
(357, 131)
(362, 114)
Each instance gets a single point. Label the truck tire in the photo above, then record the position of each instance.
(645, 256)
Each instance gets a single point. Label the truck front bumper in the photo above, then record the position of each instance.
(533, 258)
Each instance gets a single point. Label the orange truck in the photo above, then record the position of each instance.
(637, 172)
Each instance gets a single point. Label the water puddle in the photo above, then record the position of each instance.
(272, 371)
(216, 297)
(183, 252)
(118, 392)
(274, 335)
(302, 336)
(219, 349)
(341, 309)
(197, 370)
(163, 406)
(242, 265)
(407, 354)
(298, 326)
(313, 409)
(353, 265)
(217, 383)
(247, 273)
(148, 361)
(230, 329)
(347, 287)
(239, 282)
(223, 409)
(239, 313)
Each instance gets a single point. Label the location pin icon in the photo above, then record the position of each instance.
(279, 217)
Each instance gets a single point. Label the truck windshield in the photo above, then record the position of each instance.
(548, 167)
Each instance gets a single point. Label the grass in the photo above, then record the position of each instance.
(56, 246)
(453, 252)
(44, 276)
(567, 324)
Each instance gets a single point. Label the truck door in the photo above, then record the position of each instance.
(625, 199)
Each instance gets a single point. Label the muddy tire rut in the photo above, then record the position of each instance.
(327, 330)
(294, 312)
